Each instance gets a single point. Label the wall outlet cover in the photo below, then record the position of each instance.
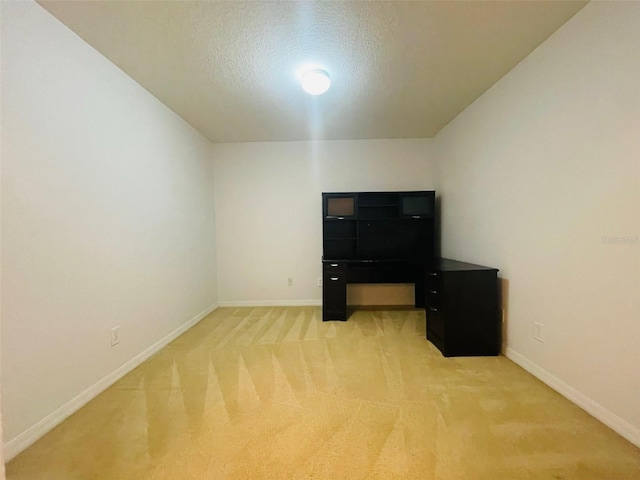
(115, 336)
(538, 332)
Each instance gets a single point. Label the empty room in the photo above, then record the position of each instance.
(320, 239)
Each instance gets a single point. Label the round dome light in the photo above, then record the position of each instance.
(316, 81)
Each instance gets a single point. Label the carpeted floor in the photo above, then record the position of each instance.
(275, 393)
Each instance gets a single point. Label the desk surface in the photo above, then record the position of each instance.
(441, 264)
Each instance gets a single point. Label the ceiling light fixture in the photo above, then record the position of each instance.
(315, 81)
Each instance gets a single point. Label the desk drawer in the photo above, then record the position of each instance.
(435, 321)
(433, 280)
(334, 267)
(332, 279)
(433, 297)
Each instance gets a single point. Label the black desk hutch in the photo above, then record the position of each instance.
(389, 237)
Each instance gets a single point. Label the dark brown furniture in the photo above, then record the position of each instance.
(463, 316)
(389, 237)
(374, 237)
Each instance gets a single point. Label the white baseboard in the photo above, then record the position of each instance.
(617, 424)
(17, 444)
(271, 303)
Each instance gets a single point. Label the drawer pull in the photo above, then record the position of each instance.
(433, 309)
(333, 264)
(433, 292)
(340, 218)
(432, 274)
(415, 216)
(333, 279)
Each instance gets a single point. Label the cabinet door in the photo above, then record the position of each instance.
(417, 204)
(334, 295)
(339, 205)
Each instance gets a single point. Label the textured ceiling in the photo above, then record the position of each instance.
(398, 69)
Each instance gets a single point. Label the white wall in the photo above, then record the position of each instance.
(535, 177)
(269, 210)
(107, 219)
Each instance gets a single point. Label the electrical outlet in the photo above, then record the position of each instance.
(319, 281)
(290, 281)
(115, 336)
(538, 332)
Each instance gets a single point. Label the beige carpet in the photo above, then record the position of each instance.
(275, 393)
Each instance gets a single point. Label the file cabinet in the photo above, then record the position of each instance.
(462, 310)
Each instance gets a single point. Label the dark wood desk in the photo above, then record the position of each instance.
(460, 299)
(338, 273)
(389, 237)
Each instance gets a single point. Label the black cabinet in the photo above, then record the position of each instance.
(378, 225)
(463, 315)
(339, 227)
(375, 237)
(334, 291)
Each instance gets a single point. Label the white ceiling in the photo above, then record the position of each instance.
(398, 69)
